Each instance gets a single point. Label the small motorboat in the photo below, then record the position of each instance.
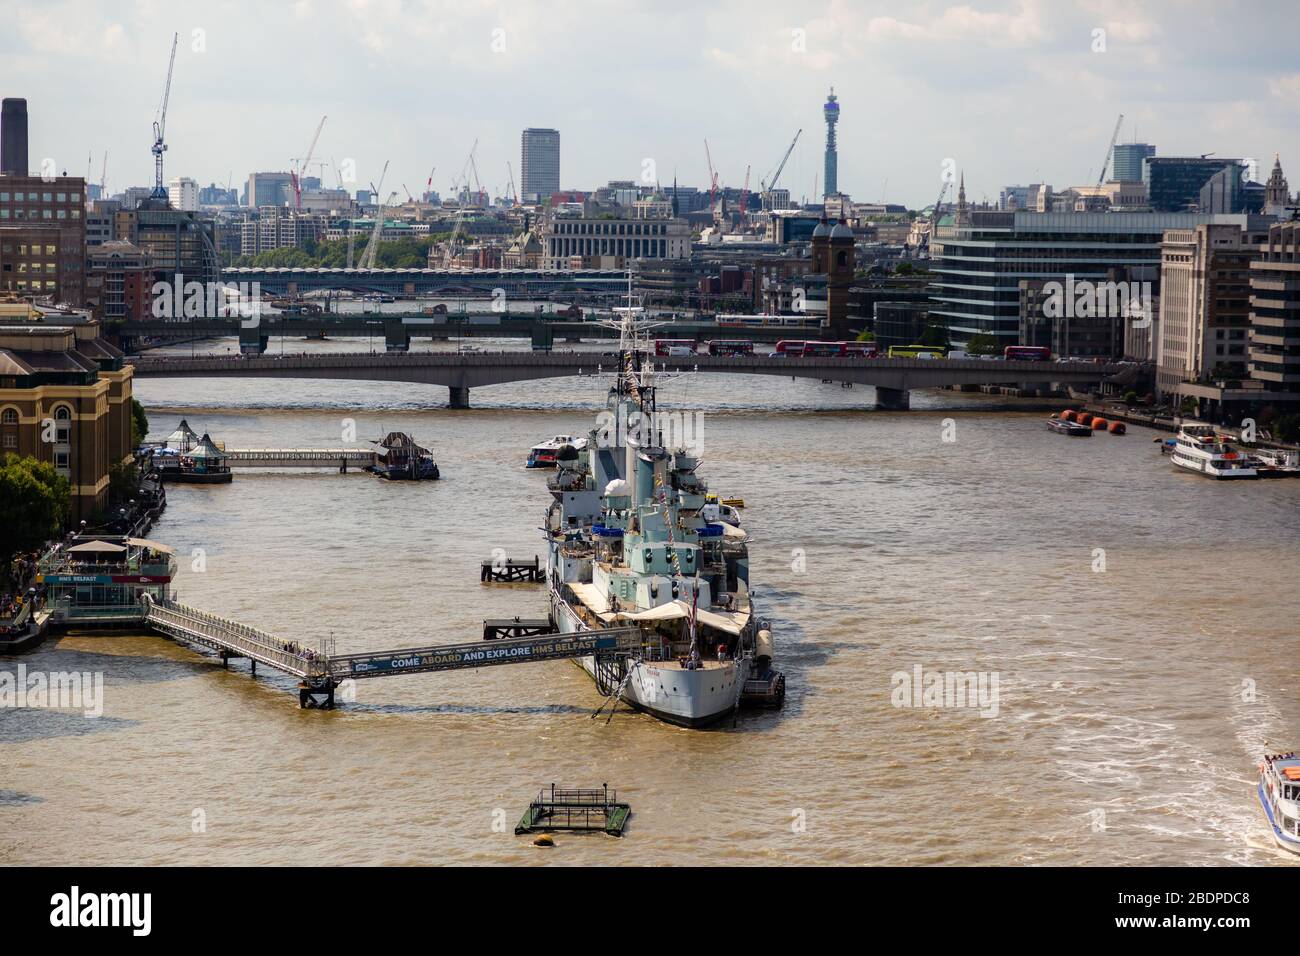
(1279, 795)
(1066, 427)
(543, 455)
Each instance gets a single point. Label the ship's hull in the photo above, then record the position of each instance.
(1202, 466)
(685, 698)
(1281, 838)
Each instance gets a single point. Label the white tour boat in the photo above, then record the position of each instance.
(1279, 795)
(543, 455)
(1198, 448)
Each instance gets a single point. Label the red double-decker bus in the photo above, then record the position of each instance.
(731, 347)
(789, 347)
(1027, 353)
(666, 347)
(823, 349)
(860, 349)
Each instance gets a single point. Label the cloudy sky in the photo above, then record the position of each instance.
(1013, 92)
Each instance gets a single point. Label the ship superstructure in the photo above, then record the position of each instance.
(627, 545)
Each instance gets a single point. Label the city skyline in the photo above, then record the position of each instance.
(1040, 89)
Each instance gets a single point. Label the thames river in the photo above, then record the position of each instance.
(1140, 624)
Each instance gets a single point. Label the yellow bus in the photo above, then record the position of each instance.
(917, 351)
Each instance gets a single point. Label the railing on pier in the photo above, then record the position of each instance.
(297, 457)
(191, 624)
(440, 657)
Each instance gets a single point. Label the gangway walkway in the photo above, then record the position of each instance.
(320, 670)
(299, 457)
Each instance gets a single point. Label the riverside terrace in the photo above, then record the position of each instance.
(892, 378)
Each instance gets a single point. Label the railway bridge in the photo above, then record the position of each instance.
(892, 378)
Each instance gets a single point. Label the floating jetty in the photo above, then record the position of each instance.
(509, 570)
(581, 811)
(497, 628)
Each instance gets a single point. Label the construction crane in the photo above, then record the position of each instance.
(767, 187)
(473, 165)
(744, 197)
(428, 186)
(103, 178)
(368, 254)
(372, 247)
(160, 126)
(470, 165)
(713, 183)
(295, 177)
(409, 197)
(1109, 150)
(513, 196)
(934, 217)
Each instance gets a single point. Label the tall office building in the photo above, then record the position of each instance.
(1275, 313)
(539, 164)
(183, 194)
(831, 172)
(13, 137)
(42, 232)
(268, 189)
(1174, 183)
(1126, 161)
(1205, 302)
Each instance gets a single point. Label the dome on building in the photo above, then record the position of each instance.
(821, 231)
(841, 231)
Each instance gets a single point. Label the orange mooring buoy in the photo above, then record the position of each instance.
(1067, 415)
(1099, 424)
(1117, 428)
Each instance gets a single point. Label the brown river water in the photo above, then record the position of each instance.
(1133, 702)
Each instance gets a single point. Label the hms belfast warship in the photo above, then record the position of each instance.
(627, 547)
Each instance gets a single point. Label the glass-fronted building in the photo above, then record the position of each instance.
(1127, 161)
(980, 266)
(1174, 183)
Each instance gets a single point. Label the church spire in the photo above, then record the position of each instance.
(1277, 193)
(962, 217)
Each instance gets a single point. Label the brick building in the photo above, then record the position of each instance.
(65, 398)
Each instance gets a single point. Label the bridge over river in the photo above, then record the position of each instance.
(892, 378)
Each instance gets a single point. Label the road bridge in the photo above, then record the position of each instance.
(893, 378)
(397, 329)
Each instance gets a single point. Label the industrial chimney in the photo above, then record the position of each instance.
(13, 137)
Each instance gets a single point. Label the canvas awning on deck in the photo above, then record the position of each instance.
(97, 547)
(151, 545)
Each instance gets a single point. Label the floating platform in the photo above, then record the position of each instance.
(511, 571)
(579, 811)
(501, 627)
